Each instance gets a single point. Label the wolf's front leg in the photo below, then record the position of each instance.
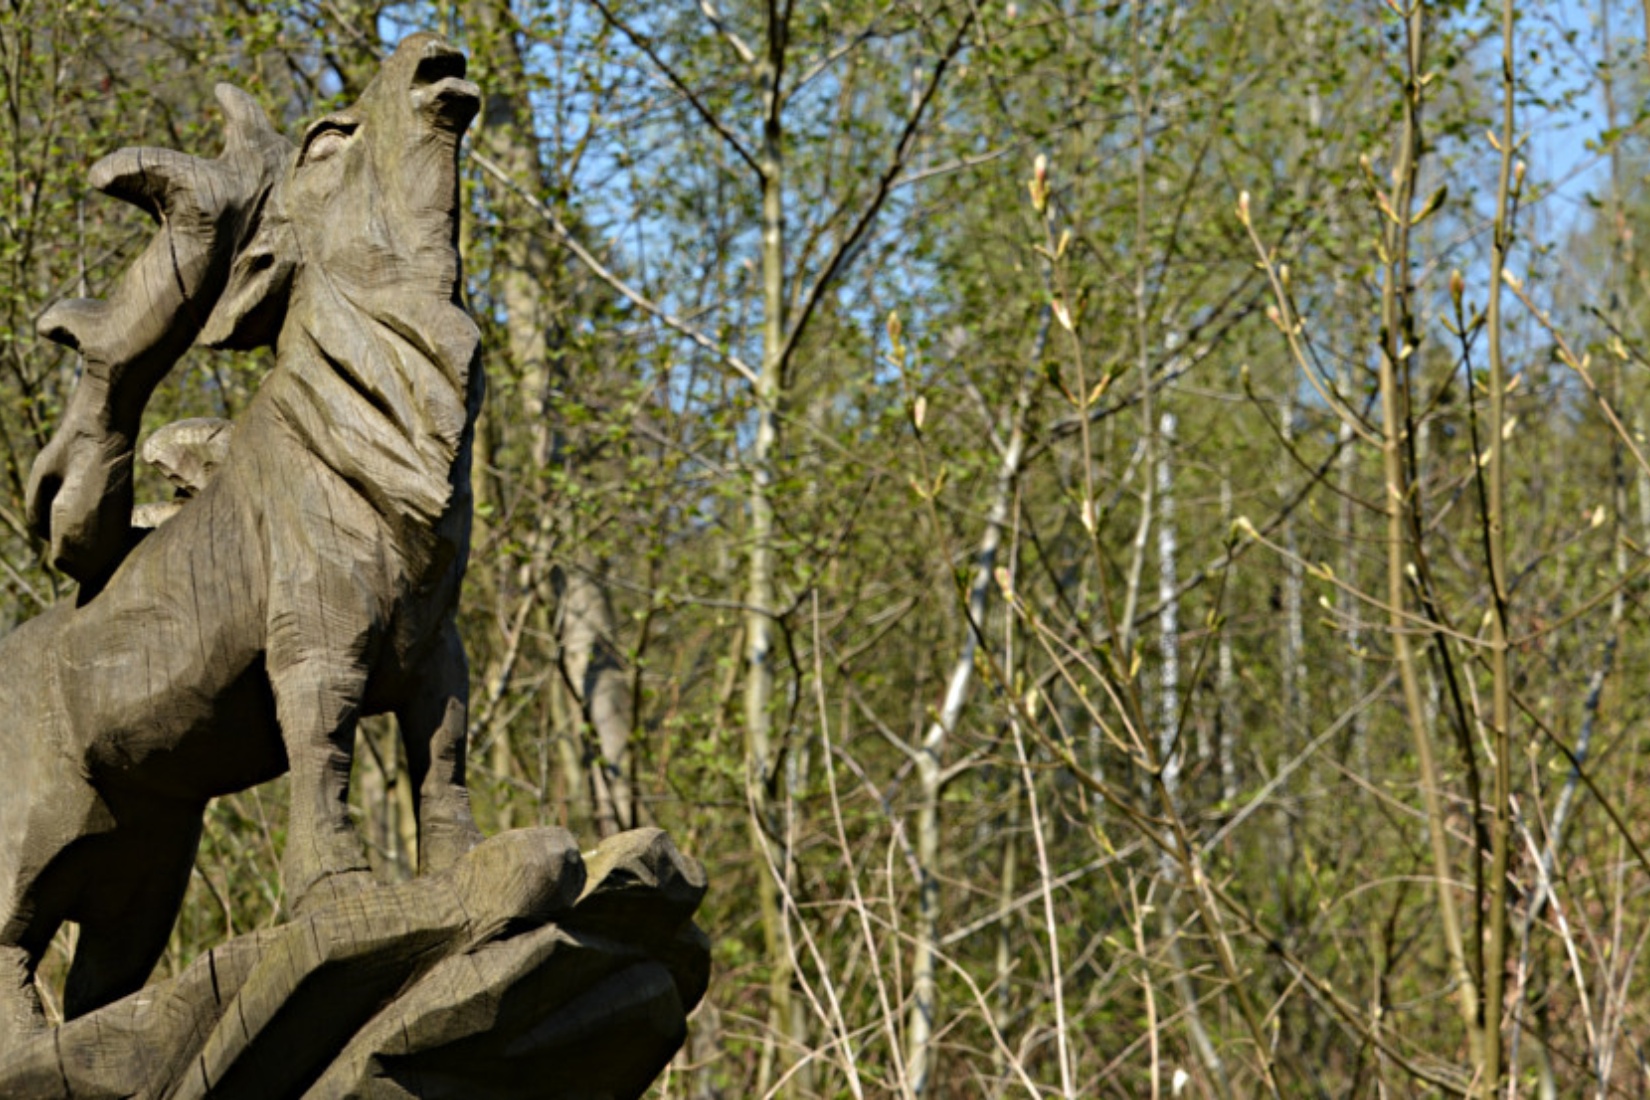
(318, 656)
(434, 730)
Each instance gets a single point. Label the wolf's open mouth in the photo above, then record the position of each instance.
(438, 65)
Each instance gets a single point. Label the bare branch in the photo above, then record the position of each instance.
(727, 32)
(643, 43)
(850, 243)
(597, 268)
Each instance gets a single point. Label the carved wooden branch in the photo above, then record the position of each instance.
(80, 489)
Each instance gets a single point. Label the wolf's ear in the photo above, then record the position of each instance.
(252, 307)
(249, 312)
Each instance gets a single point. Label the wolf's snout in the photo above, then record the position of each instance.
(440, 61)
(438, 84)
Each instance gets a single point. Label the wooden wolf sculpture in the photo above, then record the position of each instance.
(313, 581)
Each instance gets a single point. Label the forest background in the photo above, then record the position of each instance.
(1116, 530)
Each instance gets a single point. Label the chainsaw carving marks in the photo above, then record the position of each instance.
(312, 573)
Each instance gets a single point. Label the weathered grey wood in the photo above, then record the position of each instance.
(80, 488)
(484, 981)
(313, 576)
(585, 1007)
(189, 452)
(307, 575)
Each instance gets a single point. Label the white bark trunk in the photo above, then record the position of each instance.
(1168, 618)
(1294, 661)
(1226, 674)
(930, 769)
(597, 670)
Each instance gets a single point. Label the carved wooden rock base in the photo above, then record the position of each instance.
(524, 971)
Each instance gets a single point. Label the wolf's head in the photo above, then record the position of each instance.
(368, 199)
(365, 202)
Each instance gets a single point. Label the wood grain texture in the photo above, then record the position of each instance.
(501, 977)
(308, 576)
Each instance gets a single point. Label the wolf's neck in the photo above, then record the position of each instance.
(379, 388)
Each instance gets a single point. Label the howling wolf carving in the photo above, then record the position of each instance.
(311, 582)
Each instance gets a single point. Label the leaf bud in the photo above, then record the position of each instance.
(1061, 315)
(1038, 184)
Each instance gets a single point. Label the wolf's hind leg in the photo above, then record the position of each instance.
(434, 728)
(124, 932)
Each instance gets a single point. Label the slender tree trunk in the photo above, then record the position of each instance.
(1226, 673)
(1294, 677)
(761, 767)
(1169, 751)
(597, 669)
(919, 1057)
(534, 289)
(1294, 632)
(565, 737)
(1397, 342)
(1007, 954)
(931, 774)
(1346, 472)
(1495, 958)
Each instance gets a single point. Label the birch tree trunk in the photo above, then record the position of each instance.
(1346, 472)
(535, 291)
(1169, 750)
(1226, 674)
(1294, 633)
(1168, 617)
(597, 670)
(761, 767)
(932, 775)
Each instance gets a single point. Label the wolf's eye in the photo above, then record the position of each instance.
(325, 140)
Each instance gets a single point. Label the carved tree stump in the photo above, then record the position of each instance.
(523, 971)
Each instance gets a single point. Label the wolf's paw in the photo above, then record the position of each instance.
(442, 843)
